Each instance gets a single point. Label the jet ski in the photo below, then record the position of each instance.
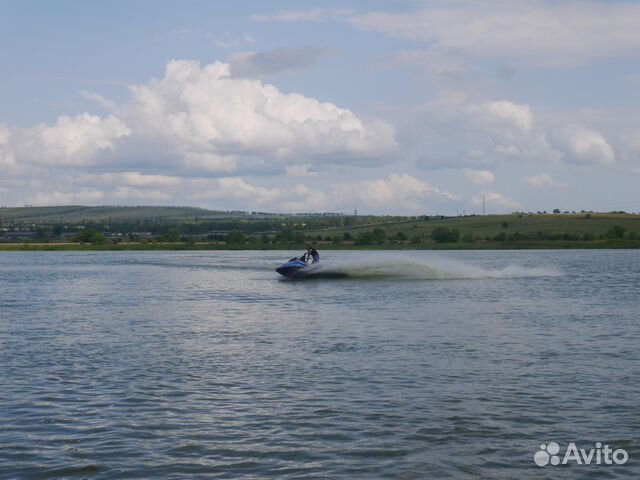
(298, 268)
(292, 268)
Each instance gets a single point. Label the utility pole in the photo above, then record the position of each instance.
(483, 206)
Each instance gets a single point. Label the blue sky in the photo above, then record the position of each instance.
(385, 106)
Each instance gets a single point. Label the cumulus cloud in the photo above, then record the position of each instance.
(236, 188)
(128, 194)
(393, 191)
(583, 145)
(70, 141)
(7, 157)
(483, 114)
(541, 181)
(106, 188)
(518, 115)
(198, 118)
(195, 121)
(84, 196)
(495, 200)
(210, 162)
(273, 62)
(503, 132)
(630, 149)
(541, 32)
(496, 130)
(131, 179)
(4, 135)
(480, 177)
(305, 199)
(238, 192)
(197, 109)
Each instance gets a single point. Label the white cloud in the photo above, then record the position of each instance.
(131, 179)
(236, 192)
(236, 188)
(395, 191)
(85, 196)
(130, 193)
(480, 177)
(502, 132)
(306, 200)
(197, 119)
(7, 157)
(240, 189)
(542, 32)
(5, 134)
(495, 200)
(196, 109)
(495, 130)
(630, 149)
(489, 115)
(518, 115)
(583, 145)
(71, 141)
(616, 127)
(541, 181)
(210, 162)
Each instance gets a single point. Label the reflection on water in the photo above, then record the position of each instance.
(421, 365)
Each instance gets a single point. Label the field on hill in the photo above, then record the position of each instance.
(73, 214)
(189, 227)
(489, 226)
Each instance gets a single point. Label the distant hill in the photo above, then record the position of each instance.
(71, 214)
(491, 225)
(530, 226)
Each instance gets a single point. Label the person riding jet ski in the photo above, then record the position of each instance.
(310, 254)
(295, 266)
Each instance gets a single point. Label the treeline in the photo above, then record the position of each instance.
(377, 236)
(446, 235)
(247, 224)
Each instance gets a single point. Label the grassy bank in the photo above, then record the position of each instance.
(489, 245)
(492, 225)
(497, 232)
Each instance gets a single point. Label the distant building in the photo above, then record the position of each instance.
(141, 235)
(8, 236)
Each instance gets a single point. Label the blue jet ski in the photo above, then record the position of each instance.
(291, 268)
(299, 269)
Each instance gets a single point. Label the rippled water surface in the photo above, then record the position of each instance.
(417, 365)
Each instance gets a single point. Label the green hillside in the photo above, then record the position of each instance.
(73, 214)
(482, 227)
(167, 227)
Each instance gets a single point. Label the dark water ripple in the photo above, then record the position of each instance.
(206, 365)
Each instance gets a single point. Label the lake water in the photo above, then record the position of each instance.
(417, 365)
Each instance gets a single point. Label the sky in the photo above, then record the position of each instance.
(384, 106)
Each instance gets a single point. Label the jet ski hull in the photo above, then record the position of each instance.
(291, 268)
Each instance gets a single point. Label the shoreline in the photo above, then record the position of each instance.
(166, 246)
